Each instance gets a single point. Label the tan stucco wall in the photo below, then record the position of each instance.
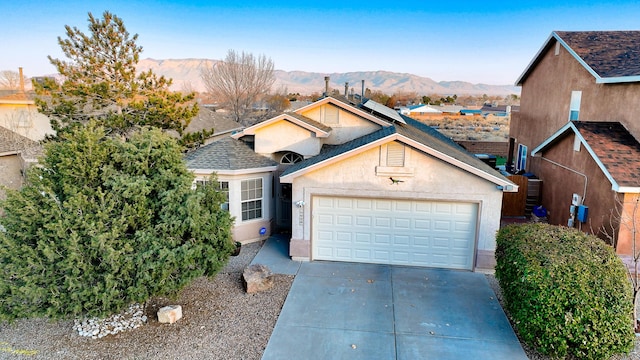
(559, 185)
(25, 120)
(285, 136)
(629, 219)
(544, 108)
(348, 127)
(546, 97)
(248, 231)
(432, 180)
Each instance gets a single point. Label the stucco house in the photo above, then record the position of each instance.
(21, 129)
(19, 113)
(577, 129)
(356, 181)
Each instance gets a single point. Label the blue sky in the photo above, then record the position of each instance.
(487, 42)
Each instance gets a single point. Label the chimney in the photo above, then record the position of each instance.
(326, 86)
(346, 89)
(362, 97)
(21, 80)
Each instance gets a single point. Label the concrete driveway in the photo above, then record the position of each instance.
(367, 311)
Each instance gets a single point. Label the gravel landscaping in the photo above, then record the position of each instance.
(221, 321)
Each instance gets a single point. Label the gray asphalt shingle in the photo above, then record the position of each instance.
(226, 154)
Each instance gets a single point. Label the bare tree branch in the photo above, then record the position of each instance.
(239, 81)
(9, 80)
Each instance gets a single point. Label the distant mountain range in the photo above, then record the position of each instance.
(186, 76)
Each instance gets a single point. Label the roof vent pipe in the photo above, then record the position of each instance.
(21, 80)
(362, 96)
(346, 89)
(326, 86)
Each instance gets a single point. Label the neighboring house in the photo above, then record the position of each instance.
(577, 129)
(19, 113)
(17, 153)
(360, 182)
(498, 110)
(422, 110)
(208, 119)
(21, 128)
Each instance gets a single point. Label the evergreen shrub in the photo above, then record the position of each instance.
(567, 292)
(105, 221)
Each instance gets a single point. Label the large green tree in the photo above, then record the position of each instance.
(105, 221)
(99, 81)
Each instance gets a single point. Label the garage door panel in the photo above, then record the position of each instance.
(326, 219)
(363, 238)
(421, 241)
(382, 239)
(401, 240)
(389, 231)
(381, 256)
(345, 203)
(345, 237)
(441, 225)
(362, 255)
(383, 223)
(383, 205)
(364, 221)
(403, 206)
(422, 224)
(402, 223)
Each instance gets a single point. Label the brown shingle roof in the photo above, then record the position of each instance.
(608, 53)
(616, 148)
(610, 56)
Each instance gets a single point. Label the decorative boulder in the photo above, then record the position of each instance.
(170, 314)
(256, 278)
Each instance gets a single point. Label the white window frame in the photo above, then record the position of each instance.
(574, 105)
(223, 186)
(251, 199)
(291, 158)
(521, 160)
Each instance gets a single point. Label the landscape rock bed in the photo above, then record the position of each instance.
(221, 321)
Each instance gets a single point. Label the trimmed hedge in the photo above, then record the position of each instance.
(567, 292)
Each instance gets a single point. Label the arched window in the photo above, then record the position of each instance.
(291, 158)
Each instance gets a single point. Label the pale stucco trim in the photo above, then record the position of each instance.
(343, 106)
(507, 185)
(284, 117)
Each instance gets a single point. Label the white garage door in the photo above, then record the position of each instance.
(398, 232)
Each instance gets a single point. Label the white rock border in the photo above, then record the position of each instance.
(97, 328)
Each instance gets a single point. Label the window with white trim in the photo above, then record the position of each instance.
(291, 158)
(251, 199)
(521, 160)
(574, 106)
(223, 186)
